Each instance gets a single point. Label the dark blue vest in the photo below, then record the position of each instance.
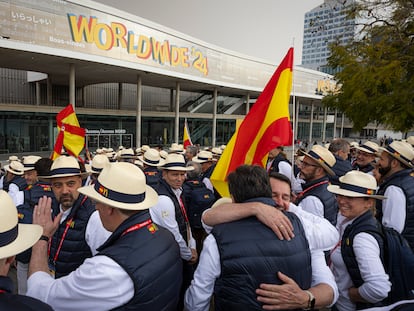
(340, 168)
(404, 180)
(32, 194)
(151, 257)
(365, 169)
(275, 164)
(10, 301)
(328, 199)
(74, 249)
(250, 254)
(365, 222)
(164, 189)
(152, 175)
(19, 181)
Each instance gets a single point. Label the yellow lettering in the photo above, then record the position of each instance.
(119, 31)
(104, 38)
(81, 27)
(144, 47)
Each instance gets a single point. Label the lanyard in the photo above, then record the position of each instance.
(137, 226)
(186, 221)
(301, 194)
(2, 291)
(68, 224)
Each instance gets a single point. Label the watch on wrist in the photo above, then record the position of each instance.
(311, 301)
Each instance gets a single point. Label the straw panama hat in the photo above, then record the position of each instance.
(13, 158)
(323, 157)
(127, 153)
(401, 151)
(356, 184)
(353, 144)
(176, 148)
(368, 147)
(64, 166)
(122, 185)
(30, 161)
(151, 157)
(163, 154)
(203, 156)
(15, 167)
(15, 237)
(175, 162)
(216, 151)
(99, 161)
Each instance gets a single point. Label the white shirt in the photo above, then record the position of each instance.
(394, 208)
(376, 284)
(98, 284)
(16, 195)
(312, 204)
(95, 233)
(197, 296)
(321, 234)
(163, 214)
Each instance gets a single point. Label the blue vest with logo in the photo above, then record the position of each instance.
(405, 181)
(74, 249)
(32, 194)
(151, 257)
(152, 175)
(250, 254)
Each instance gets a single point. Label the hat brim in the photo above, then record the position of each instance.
(160, 163)
(82, 175)
(197, 160)
(178, 168)
(7, 168)
(348, 193)
(151, 198)
(406, 163)
(365, 150)
(322, 164)
(28, 235)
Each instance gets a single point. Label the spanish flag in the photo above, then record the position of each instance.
(186, 137)
(71, 135)
(265, 127)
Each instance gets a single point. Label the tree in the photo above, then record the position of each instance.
(375, 71)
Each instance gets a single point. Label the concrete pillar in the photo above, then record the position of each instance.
(311, 125)
(177, 112)
(72, 85)
(139, 112)
(214, 131)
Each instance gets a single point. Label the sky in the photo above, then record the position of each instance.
(263, 29)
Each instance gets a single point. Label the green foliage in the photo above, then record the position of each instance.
(376, 69)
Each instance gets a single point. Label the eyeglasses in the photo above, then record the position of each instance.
(305, 164)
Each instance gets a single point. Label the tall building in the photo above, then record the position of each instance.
(324, 25)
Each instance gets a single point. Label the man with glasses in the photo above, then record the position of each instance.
(315, 199)
(365, 161)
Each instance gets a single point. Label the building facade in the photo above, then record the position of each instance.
(132, 82)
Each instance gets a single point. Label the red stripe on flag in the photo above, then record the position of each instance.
(67, 111)
(265, 126)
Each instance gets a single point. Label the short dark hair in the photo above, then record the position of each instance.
(248, 182)
(280, 177)
(42, 166)
(339, 144)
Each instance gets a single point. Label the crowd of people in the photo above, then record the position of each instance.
(145, 229)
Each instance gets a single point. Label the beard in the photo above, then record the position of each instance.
(384, 170)
(66, 201)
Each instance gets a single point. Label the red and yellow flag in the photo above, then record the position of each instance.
(265, 127)
(71, 135)
(186, 137)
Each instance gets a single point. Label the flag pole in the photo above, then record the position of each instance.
(293, 114)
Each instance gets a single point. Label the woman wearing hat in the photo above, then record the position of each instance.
(356, 262)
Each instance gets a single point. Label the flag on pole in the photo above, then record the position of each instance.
(265, 127)
(186, 137)
(71, 135)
